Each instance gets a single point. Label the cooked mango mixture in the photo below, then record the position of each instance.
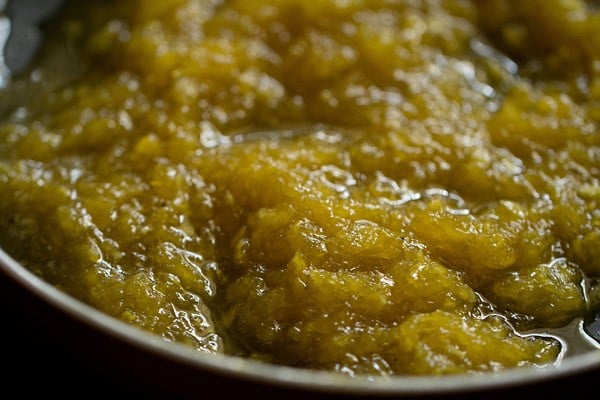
(373, 187)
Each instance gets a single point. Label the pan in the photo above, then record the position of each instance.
(158, 365)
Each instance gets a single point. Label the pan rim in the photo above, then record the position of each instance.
(283, 376)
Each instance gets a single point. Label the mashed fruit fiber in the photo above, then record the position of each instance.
(379, 187)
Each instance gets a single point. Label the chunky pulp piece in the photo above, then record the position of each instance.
(370, 187)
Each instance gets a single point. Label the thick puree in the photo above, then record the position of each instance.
(366, 186)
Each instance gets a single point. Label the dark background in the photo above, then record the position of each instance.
(46, 353)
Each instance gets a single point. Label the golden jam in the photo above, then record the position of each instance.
(405, 187)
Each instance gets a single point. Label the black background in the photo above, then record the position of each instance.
(46, 353)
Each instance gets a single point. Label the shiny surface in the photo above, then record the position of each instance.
(438, 219)
(300, 379)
